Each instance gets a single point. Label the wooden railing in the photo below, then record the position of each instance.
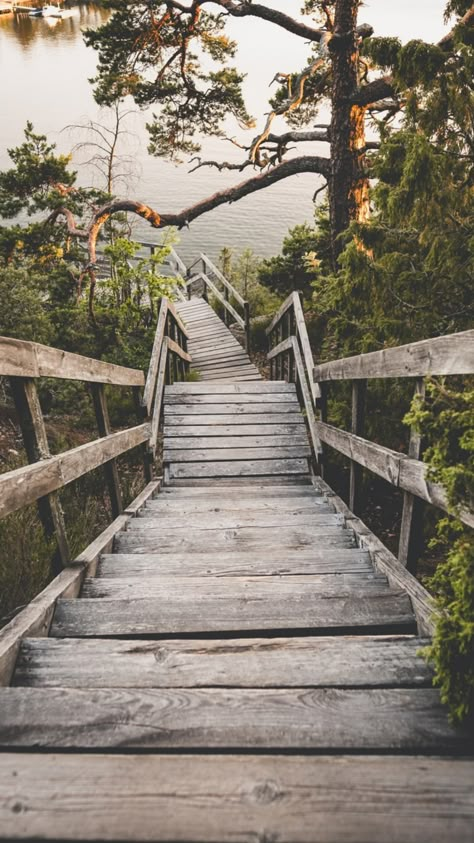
(448, 355)
(23, 362)
(169, 362)
(224, 295)
(291, 359)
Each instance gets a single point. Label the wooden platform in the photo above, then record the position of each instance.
(238, 670)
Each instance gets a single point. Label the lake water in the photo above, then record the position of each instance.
(44, 71)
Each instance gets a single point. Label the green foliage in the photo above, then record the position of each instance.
(446, 420)
(290, 270)
(22, 306)
(242, 270)
(151, 52)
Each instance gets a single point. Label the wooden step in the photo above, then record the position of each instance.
(173, 433)
(199, 611)
(225, 389)
(253, 588)
(267, 398)
(153, 520)
(229, 443)
(317, 719)
(239, 468)
(338, 662)
(217, 798)
(233, 419)
(184, 455)
(237, 563)
(196, 540)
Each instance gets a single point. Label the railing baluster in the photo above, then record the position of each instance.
(359, 392)
(110, 468)
(411, 532)
(31, 421)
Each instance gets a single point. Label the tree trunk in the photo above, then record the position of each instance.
(348, 184)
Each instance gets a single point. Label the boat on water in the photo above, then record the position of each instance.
(49, 11)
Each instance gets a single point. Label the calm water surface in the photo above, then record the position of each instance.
(44, 71)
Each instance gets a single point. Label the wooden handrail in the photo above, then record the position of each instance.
(201, 276)
(448, 355)
(229, 291)
(20, 358)
(39, 481)
(452, 354)
(292, 305)
(167, 310)
(25, 485)
(225, 283)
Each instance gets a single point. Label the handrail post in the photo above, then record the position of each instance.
(31, 421)
(247, 326)
(110, 468)
(359, 392)
(323, 414)
(411, 532)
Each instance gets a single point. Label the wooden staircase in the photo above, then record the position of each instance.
(237, 669)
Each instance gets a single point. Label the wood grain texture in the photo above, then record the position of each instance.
(198, 541)
(89, 618)
(387, 563)
(275, 562)
(452, 354)
(247, 662)
(239, 468)
(230, 398)
(19, 358)
(207, 454)
(230, 443)
(249, 799)
(25, 485)
(265, 387)
(300, 718)
(181, 432)
(232, 419)
(166, 588)
(216, 520)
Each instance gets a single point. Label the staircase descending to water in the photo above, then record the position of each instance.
(229, 664)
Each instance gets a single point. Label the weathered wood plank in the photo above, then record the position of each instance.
(197, 540)
(141, 500)
(289, 662)
(224, 389)
(243, 488)
(89, 618)
(452, 354)
(216, 519)
(215, 271)
(176, 349)
(275, 562)
(150, 386)
(19, 358)
(161, 587)
(179, 433)
(236, 454)
(35, 440)
(104, 429)
(303, 718)
(242, 407)
(36, 618)
(239, 398)
(305, 347)
(225, 443)
(398, 469)
(239, 468)
(25, 485)
(222, 299)
(387, 563)
(219, 799)
(226, 419)
(287, 304)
